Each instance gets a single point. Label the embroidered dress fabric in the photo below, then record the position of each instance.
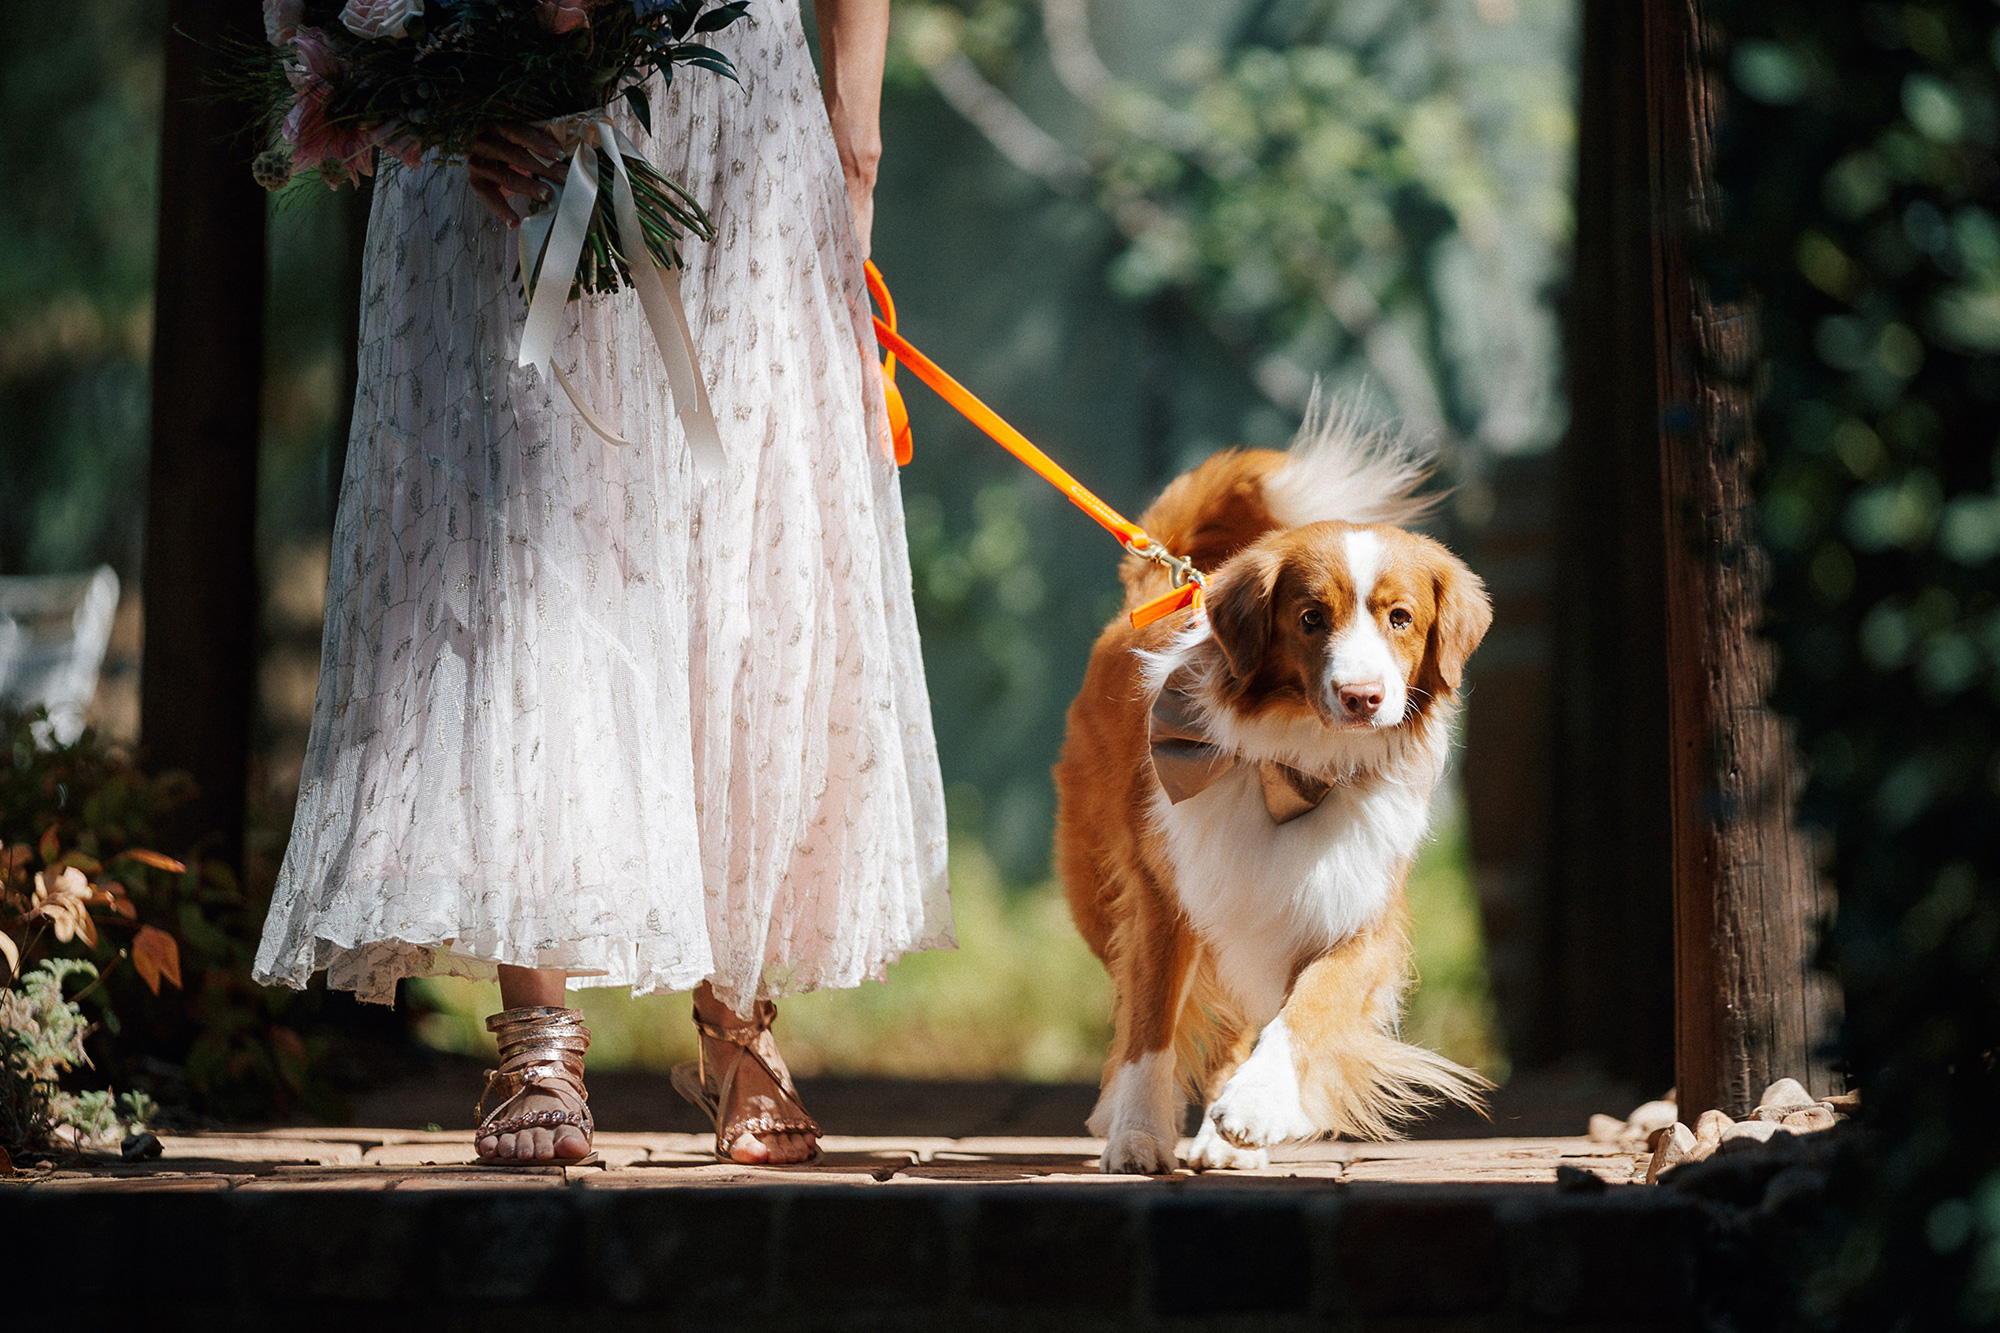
(574, 711)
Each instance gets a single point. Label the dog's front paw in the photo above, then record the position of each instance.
(1259, 1105)
(1136, 1152)
(1211, 1152)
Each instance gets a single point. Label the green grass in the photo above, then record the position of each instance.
(1022, 998)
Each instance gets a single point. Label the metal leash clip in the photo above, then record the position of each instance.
(1183, 571)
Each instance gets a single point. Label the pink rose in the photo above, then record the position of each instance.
(316, 144)
(282, 19)
(563, 15)
(370, 19)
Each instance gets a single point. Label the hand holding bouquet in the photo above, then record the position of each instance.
(344, 82)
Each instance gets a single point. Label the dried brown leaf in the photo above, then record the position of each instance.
(12, 955)
(157, 956)
(155, 860)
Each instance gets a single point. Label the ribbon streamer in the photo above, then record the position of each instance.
(557, 236)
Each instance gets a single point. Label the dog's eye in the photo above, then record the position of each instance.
(1399, 618)
(1312, 620)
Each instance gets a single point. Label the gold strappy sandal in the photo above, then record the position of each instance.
(541, 1051)
(751, 1040)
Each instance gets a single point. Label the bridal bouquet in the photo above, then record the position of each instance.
(342, 83)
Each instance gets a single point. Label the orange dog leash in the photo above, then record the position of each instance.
(1189, 582)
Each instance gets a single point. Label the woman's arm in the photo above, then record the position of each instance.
(853, 45)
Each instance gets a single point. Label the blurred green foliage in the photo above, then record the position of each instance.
(1863, 197)
(1333, 188)
(79, 100)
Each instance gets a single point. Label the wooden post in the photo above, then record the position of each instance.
(1746, 896)
(1605, 993)
(200, 578)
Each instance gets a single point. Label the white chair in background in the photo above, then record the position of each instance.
(53, 633)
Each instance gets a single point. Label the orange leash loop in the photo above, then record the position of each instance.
(1189, 582)
(899, 412)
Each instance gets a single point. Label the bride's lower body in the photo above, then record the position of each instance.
(581, 714)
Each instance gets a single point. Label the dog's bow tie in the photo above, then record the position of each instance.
(1185, 761)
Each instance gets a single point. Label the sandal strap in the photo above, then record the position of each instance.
(541, 1050)
(748, 1038)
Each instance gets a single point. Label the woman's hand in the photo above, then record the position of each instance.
(853, 45)
(515, 160)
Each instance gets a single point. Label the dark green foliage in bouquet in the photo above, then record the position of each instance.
(1863, 196)
(429, 80)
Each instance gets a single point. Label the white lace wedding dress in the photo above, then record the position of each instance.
(575, 712)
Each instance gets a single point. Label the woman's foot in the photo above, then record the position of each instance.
(753, 1094)
(564, 1143)
(544, 1110)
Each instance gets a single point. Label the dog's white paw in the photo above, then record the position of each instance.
(1260, 1103)
(1139, 1114)
(1137, 1152)
(1211, 1152)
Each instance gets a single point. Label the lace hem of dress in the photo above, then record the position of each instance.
(369, 958)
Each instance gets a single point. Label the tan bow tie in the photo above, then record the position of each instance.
(1185, 761)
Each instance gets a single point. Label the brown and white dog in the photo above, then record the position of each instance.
(1242, 792)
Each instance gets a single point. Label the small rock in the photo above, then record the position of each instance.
(6, 1164)
(1747, 1134)
(1606, 1129)
(1844, 1103)
(1788, 1093)
(1774, 1114)
(1653, 1115)
(141, 1147)
(1811, 1120)
(1708, 1134)
(1576, 1180)
(1676, 1146)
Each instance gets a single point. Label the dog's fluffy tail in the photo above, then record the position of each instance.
(1341, 470)
(1373, 1083)
(1336, 470)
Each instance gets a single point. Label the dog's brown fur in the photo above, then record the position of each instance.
(1356, 1077)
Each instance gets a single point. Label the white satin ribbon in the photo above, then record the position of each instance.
(557, 236)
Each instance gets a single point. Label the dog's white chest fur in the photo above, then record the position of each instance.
(1264, 895)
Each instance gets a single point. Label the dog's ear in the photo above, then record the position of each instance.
(1463, 616)
(1239, 610)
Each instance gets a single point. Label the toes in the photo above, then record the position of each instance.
(570, 1143)
(488, 1146)
(750, 1149)
(541, 1145)
(505, 1146)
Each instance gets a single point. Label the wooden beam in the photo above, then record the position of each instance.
(200, 580)
(1746, 896)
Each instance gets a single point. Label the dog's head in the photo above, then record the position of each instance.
(1365, 626)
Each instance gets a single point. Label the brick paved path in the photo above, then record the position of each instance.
(390, 1159)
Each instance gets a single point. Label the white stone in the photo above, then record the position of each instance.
(1653, 1115)
(1786, 1092)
